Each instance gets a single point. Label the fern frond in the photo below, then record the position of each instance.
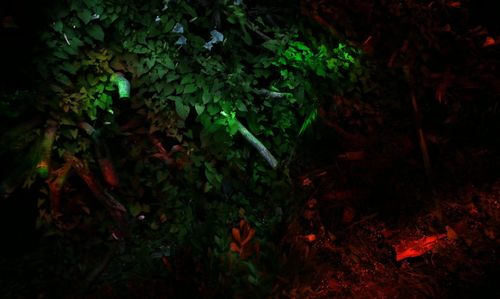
(309, 120)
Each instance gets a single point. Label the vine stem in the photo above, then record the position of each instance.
(263, 151)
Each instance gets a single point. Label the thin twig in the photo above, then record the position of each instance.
(364, 219)
(418, 120)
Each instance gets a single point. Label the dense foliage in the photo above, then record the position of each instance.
(197, 71)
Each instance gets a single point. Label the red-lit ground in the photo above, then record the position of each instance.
(450, 251)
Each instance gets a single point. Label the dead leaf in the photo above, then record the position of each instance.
(450, 233)
(446, 28)
(352, 156)
(234, 248)
(348, 215)
(310, 238)
(490, 233)
(166, 263)
(163, 218)
(236, 235)
(241, 240)
(250, 235)
(306, 182)
(416, 248)
(490, 41)
(334, 285)
(311, 203)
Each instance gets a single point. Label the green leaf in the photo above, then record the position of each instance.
(188, 9)
(206, 96)
(135, 208)
(73, 133)
(169, 25)
(60, 54)
(99, 103)
(241, 106)
(213, 109)
(95, 31)
(272, 45)
(213, 177)
(150, 62)
(85, 15)
(70, 68)
(233, 126)
(72, 50)
(166, 61)
(168, 89)
(63, 79)
(171, 76)
(187, 79)
(199, 108)
(190, 88)
(247, 38)
(181, 109)
(58, 26)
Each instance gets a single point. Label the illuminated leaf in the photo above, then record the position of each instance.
(208, 45)
(181, 40)
(216, 36)
(178, 28)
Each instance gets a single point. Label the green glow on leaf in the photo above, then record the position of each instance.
(322, 61)
(42, 169)
(309, 120)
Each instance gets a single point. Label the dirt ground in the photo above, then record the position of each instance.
(448, 250)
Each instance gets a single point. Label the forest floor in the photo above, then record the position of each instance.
(449, 250)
